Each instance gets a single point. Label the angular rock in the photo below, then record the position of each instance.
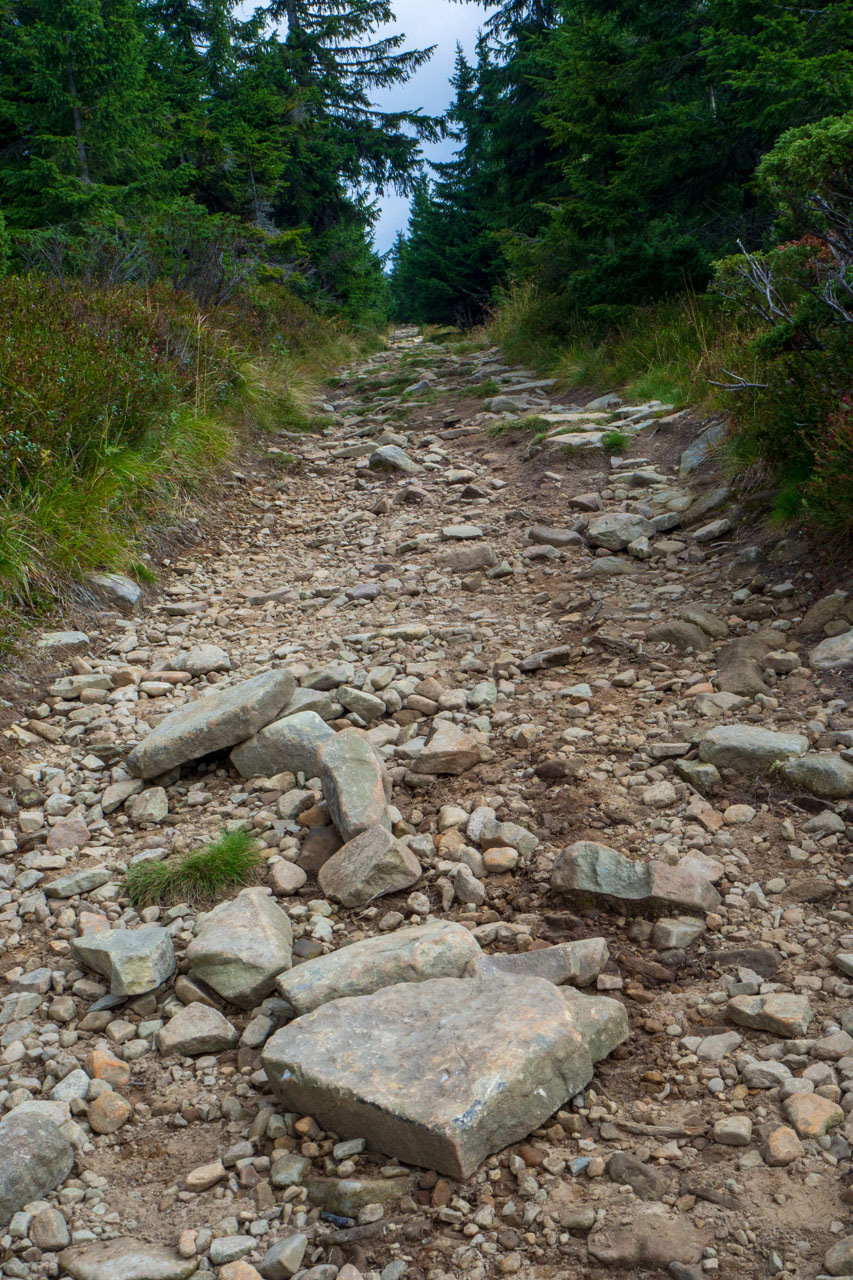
(150, 806)
(345, 1196)
(748, 749)
(197, 1028)
(811, 1115)
(838, 1259)
(77, 882)
(117, 792)
(616, 529)
(835, 652)
(588, 868)
(576, 964)
(445, 1072)
(467, 559)
(284, 1258)
(213, 722)
(655, 1238)
(438, 949)
(288, 745)
(390, 457)
(36, 1157)
(827, 775)
(781, 1013)
(133, 960)
(125, 1259)
(204, 658)
(118, 589)
(354, 783)
(241, 946)
(450, 749)
(543, 535)
(682, 635)
(646, 1181)
(68, 642)
(372, 864)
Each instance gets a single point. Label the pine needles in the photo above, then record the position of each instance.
(231, 861)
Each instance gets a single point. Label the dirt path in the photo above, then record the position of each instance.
(481, 588)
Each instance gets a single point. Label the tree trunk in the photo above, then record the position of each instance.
(82, 156)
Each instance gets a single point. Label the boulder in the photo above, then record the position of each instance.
(288, 745)
(213, 722)
(593, 869)
(616, 529)
(390, 457)
(781, 1013)
(133, 960)
(241, 946)
(443, 1073)
(438, 949)
(747, 749)
(827, 775)
(125, 1259)
(835, 652)
(197, 1028)
(354, 783)
(118, 589)
(36, 1157)
(204, 658)
(371, 865)
(450, 749)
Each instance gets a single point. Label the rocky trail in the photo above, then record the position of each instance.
(548, 968)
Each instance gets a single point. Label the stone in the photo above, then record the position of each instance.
(781, 1147)
(197, 1028)
(108, 1112)
(49, 1231)
(700, 449)
(470, 558)
(239, 1270)
(213, 722)
(827, 775)
(646, 1181)
(68, 642)
(833, 653)
(354, 782)
(715, 1048)
(781, 1013)
(284, 1258)
(241, 946)
(683, 636)
(653, 1238)
(347, 1196)
(69, 834)
(543, 535)
(586, 868)
(117, 588)
(733, 1131)
(125, 1259)
(679, 933)
(371, 865)
(704, 777)
(37, 1157)
(204, 658)
(133, 960)
(576, 964)
(288, 745)
(838, 1259)
(715, 529)
(287, 878)
(78, 882)
(443, 1073)
(225, 1249)
(437, 949)
(205, 1176)
(616, 529)
(450, 749)
(811, 1115)
(118, 792)
(390, 457)
(288, 1169)
(749, 750)
(150, 806)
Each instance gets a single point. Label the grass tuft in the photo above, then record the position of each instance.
(512, 426)
(229, 862)
(615, 441)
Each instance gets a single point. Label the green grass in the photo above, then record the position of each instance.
(615, 441)
(532, 423)
(229, 862)
(486, 389)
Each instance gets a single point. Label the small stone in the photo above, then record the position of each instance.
(782, 1014)
(370, 865)
(838, 1260)
(205, 1176)
(134, 960)
(125, 1259)
(733, 1131)
(109, 1112)
(811, 1115)
(284, 1258)
(781, 1147)
(195, 1029)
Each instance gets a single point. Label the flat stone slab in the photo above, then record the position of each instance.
(213, 722)
(587, 868)
(289, 744)
(443, 1073)
(242, 946)
(134, 960)
(824, 774)
(436, 950)
(125, 1259)
(576, 964)
(781, 1013)
(450, 750)
(748, 749)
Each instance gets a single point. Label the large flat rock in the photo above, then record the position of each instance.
(288, 744)
(213, 722)
(443, 1073)
(125, 1259)
(436, 950)
(587, 869)
(748, 749)
(367, 867)
(34, 1158)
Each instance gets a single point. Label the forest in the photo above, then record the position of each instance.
(655, 196)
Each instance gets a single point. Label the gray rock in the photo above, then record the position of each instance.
(241, 946)
(705, 504)
(68, 642)
(284, 1258)
(224, 1249)
(827, 775)
(781, 1013)
(371, 865)
(197, 1028)
(468, 559)
(287, 745)
(837, 651)
(838, 1259)
(354, 783)
(701, 448)
(117, 792)
(748, 749)
(78, 882)
(345, 1196)
(651, 1239)
(213, 722)
(133, 960)
(361, 703)
(36, 1158)
(204, 658)
(682, 635)
(445, 1072)
(485, 830)
(709, 622)
(543, 535)
(645, 1180)
(679, 933)
(438, 949)
(450, 749)
(616, 529)
(390, 457)
(149, 807)
(575, 964)
(121, 591)
(49, 1231)
(593, 869)
(288, 1169)
(323, 704)
(715, 1048)
(740, 676)
(704, 777)
(715, 529)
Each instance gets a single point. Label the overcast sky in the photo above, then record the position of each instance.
(424, 23)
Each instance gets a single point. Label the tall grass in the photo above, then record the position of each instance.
(230, 861)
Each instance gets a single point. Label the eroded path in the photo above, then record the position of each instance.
(623, 667)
